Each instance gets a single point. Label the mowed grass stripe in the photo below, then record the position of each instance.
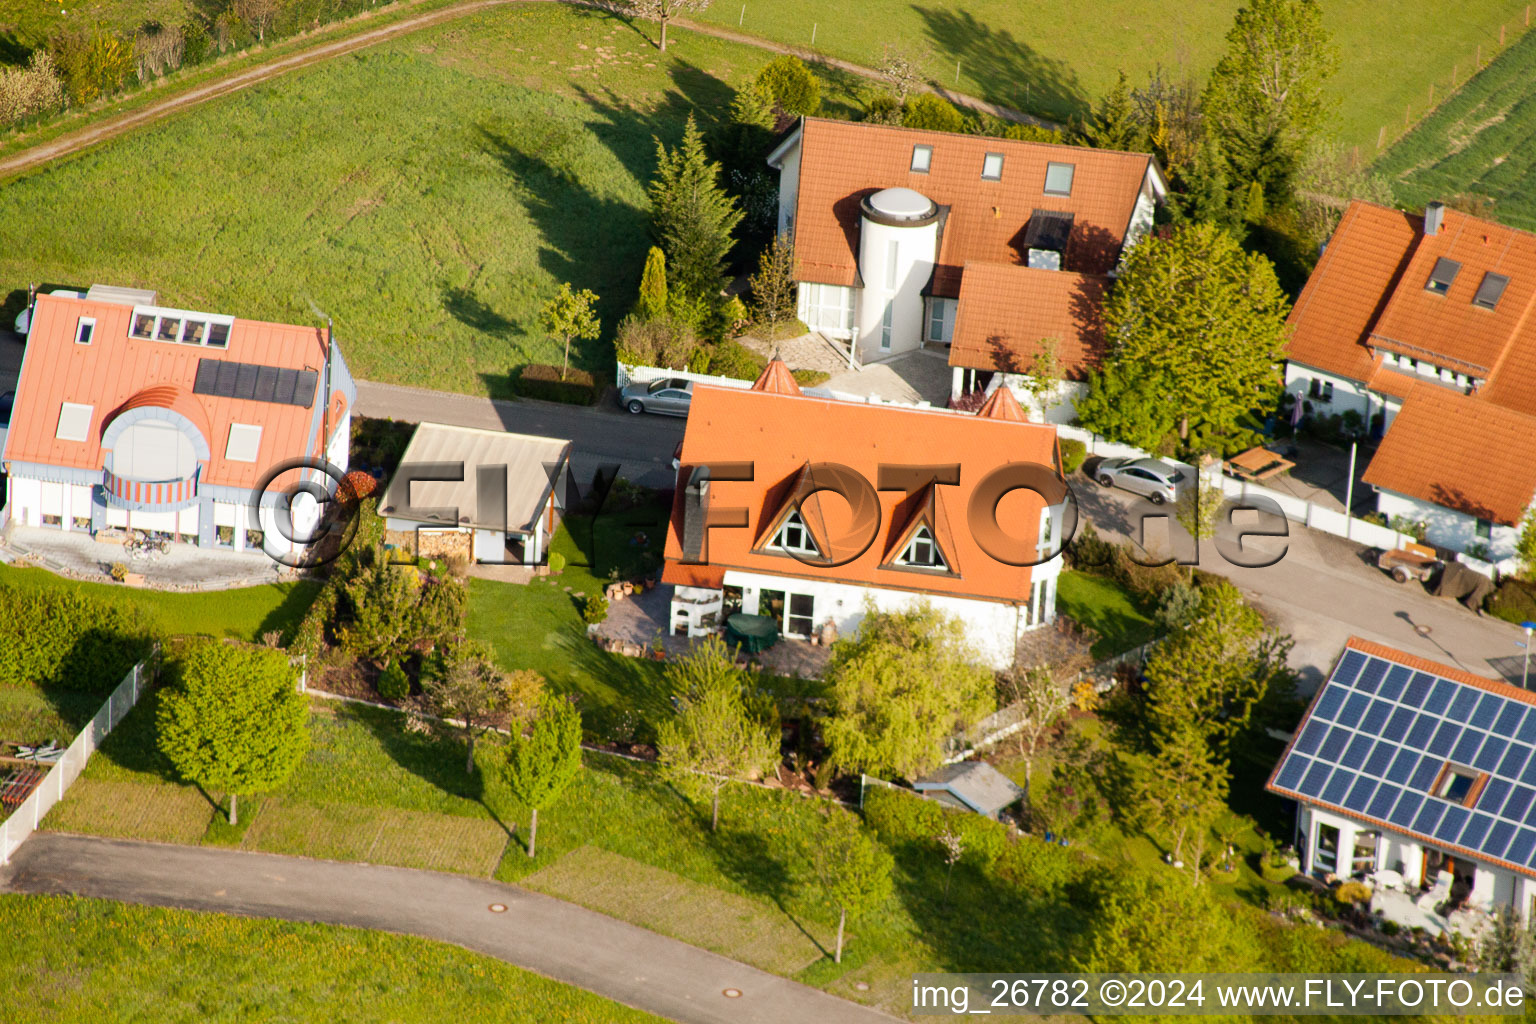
(132, 810)
(407, 839)
(734, 926)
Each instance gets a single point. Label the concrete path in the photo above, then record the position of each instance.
(554, 938)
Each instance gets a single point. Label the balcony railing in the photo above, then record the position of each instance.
(150, 492)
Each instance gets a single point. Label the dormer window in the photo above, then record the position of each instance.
(794, 536)
(84, 328)
(922, 159)
(1058, 179)
(922, 552)
(1441, 277)
(992, 167)
(1490, 291)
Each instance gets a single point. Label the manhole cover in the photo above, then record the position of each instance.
(732, 993)
(498, 908)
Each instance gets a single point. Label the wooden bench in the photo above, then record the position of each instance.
(1258, 464)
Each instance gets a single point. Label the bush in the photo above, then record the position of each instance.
(93, 63)
(556, 563)
(541, 381)
(1073, 454)
(1277, 873)
(663, 340)
(925, 110)
(594, 609)
(64, 638)
(791, 84)
(732, 359)
(356, 486)
(393, 683)
(1513, 601)
(1090, 552)
(33, 91)
(882, 108)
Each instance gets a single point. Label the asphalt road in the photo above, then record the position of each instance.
(560, 940)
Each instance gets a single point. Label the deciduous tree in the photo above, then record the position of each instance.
(233, 719)
(906, 68)
(904, 684)
(934, 113)
(664, 12)
(258, 15)
(1178, 794)
(1042, 701)
(852, 870)
(473, 691)
(1138, 920)
(542, 761)
(774, 292)
(692, 216)
(718, 736)
(569, 317)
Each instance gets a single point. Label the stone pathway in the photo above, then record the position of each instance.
(807, 352)
(920, 376)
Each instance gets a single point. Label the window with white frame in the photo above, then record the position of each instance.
(992, 166)
(826, 306)
(244, 442)
(885, 327)
(1058, 179)
(74, 421)
(922, 158)
(794, 536)
(922, 552)
(179, 326)
(941, 320)
(85, 327)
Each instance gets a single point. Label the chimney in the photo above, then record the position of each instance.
(1434, 216)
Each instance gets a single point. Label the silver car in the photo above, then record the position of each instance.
(1157, 481)
(668, 395)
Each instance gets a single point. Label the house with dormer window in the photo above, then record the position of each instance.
(979, 248)
(809, 510)
(1419, 330)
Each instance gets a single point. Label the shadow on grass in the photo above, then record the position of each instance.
(286, 616)
(612, 685)
(762, 869)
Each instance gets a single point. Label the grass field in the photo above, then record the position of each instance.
(1481, 142)
(432, 229)
(1099, 604)
(1055, 59)
(72, 959)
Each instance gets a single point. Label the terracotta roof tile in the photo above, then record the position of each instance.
(1005, 311)
(777, 379)
(1001, 405)
(844, 161)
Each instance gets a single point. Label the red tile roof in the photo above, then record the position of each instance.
(1001, 405)
(1005, 310)
(115, 373)
(844, 161)
(776, 378)
(780, 435)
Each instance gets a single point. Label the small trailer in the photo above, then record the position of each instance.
(1410, 562)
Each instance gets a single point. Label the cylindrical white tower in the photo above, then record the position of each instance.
(898, 243)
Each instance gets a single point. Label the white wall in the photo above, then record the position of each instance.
(789, 187)
(1447, 527)
(898, 284)
(1347, 394)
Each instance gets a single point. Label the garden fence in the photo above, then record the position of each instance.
(24, 820)
(626, 374)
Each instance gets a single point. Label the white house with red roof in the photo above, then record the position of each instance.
(811, 510)
(977, 247)
(133, 415)
(1420, 329)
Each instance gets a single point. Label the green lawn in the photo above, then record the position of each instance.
(1100, 604)
(1482, 142)
(429, 193)
(67, 958)
(1055, 59)
(246, 613)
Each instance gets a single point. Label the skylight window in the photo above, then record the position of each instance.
(1456, 784)
(922, 158)
(1058, 179)
(84, 328)
(1441, 277)
(1490, 291)
(992, 167)
(74, 421)
(794, 536)
(244, 443)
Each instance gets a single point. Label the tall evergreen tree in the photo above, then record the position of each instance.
(1113, 124)
(691, 215)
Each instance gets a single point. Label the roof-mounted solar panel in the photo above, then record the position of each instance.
(1392, 686)
(224, 378)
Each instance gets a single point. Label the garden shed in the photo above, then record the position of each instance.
(970, 786)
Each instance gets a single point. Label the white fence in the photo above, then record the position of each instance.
(24, 820)
(627, 375)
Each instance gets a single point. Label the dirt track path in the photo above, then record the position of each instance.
(113, 126)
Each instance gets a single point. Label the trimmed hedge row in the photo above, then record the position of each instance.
(1514, 601)
(901, 816)
(67, 639)
(542, 381)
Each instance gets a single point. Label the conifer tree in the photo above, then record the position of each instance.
(692, 216)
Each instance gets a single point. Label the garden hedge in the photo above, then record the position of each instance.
(1514, 601)
(64, 638)
(1073, 454)
(542, 381)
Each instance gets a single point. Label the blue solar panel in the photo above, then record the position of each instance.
(1418, 735)
(1312, 785)
(1493, 796)
(1418, 690)
(1462, 704)
(1333, 793)
(1392, 687)
(1397, 726)
(1406, 808)
(1489, 756)
(1424, 775)
(1520, 848)
(1527, 733)
(1529, 775)
(1381, 803)
(1407, 761)
(1349, 667)
(1354, 708)
(1375, 718)
(1380, 757)
(1466, 747)
(1498, 838)
(1329, 703)
(1477, 829)
(1429, 817)
(1450, 826)
(1445, 739)
(1487, 710)
(1514, 759)
(1310, 737)
(1439, 697)
(1518, 803)
(1354, 757)
(1360, 796)
(1371, 675)
(1290, 772)
(1509, 718)
(1333, 746)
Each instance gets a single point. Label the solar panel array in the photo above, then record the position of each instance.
(223, 378)
(1380, 734)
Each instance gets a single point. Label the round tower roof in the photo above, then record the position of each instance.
(901, 204)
